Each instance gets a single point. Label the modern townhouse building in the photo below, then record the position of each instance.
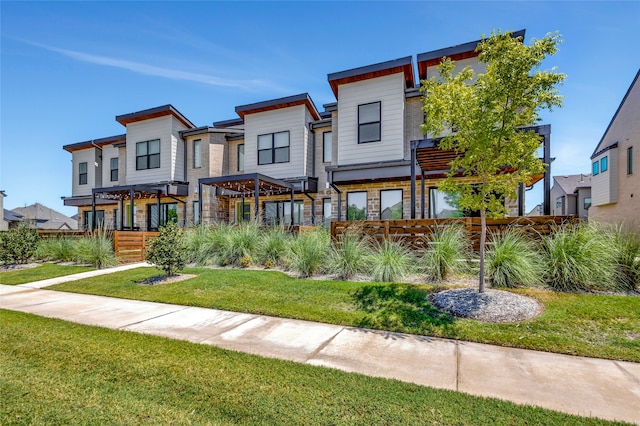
(615, 185)
(281, 161)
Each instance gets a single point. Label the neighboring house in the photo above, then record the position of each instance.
(281, 160)
(571, 195)
(4, 223)
(536, 211)
(11, 219)
(42, 217)
(615, 185)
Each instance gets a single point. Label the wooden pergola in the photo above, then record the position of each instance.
(434, 163)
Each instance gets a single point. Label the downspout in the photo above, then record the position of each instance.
(413, 179)
(339, 196)
(313, 151)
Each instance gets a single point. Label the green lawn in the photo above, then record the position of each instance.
(55, 372)
(580, 324)
(42, 272)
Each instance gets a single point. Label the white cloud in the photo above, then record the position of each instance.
(153, 70)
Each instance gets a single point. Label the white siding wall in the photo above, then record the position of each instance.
(178, 147)
(156, 128)
(109, 152)
(291, 119)
(604, 186)
(84, 156)
(389, 90)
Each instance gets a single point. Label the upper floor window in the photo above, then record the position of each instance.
(197, 154)
(114, 169)
(604, 164)
(273, 148)
(369, 122)
(630, 160)
(82, 173)
(326, 147)
(241, 157)
(595, 168)
(148, 155)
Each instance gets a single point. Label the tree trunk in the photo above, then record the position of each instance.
(483, 237)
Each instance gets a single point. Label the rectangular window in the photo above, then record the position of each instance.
(241, 157)
(444, 204)
(326, 147)
(129, 217)
(148, 155)
(587, 203)
(630, 160)
(197, 154)
(196, 212)
(357, 205)
(595, 170)
(326, 211)
(273, 148)
(168, 213)
(88, 219)
(114, 169)
(604, 164)
(369, 129)
(391, 204)
(279, 212)
(82, 174)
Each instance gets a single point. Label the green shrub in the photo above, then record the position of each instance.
(96, 249)
(168, 250)
(274, 246)
(237, 245)
(513, 260)
(448, 253)
(390, 261)
(628, 258)
(18, 245)
(309, 251)
(60, 249)
(580, 258)
(203, 243)
(350, 254)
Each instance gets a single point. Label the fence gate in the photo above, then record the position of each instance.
(130, 246)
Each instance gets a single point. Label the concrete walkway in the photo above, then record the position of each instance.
(578, 385)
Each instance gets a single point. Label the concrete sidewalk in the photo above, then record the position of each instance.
(578, 385)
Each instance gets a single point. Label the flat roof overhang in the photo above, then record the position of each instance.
(142, 191)
(156, 112)
(85, 200)
(370, 172)
(95, 143)
(247, 185)
(286, 102)
(401, 65)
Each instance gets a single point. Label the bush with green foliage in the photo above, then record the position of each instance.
(309, 252)
(448, 252)
(391, 261)
(513, 260)
(239, 244)
(350, 254)
(168, 250)
(96, 249)
(18, 245)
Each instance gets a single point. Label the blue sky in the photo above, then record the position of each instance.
(68, 68)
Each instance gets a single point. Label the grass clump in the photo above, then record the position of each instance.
(628, 258)
(58, 249)
(390, 261)
(239, 244)
(448, 253)
(273, 247)
(350, 254)
(580, 258)
(513, 260)
(96, 249)
(308, 252)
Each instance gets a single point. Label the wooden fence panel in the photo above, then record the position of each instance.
(417, 232)
(130, 246)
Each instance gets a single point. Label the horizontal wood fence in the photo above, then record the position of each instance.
(59, 233)
(418, 232)
(130, 246)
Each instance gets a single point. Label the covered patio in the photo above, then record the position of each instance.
(257, 186)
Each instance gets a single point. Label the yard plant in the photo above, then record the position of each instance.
(18, 245)
(168, 250)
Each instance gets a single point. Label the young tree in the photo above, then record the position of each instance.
(482, 115)
(168, 251)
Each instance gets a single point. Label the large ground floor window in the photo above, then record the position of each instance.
(391, 204)
(88, 219)
(443, 204)
(326, 211)
(156, 218)
(357, 205)
(279, 212)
